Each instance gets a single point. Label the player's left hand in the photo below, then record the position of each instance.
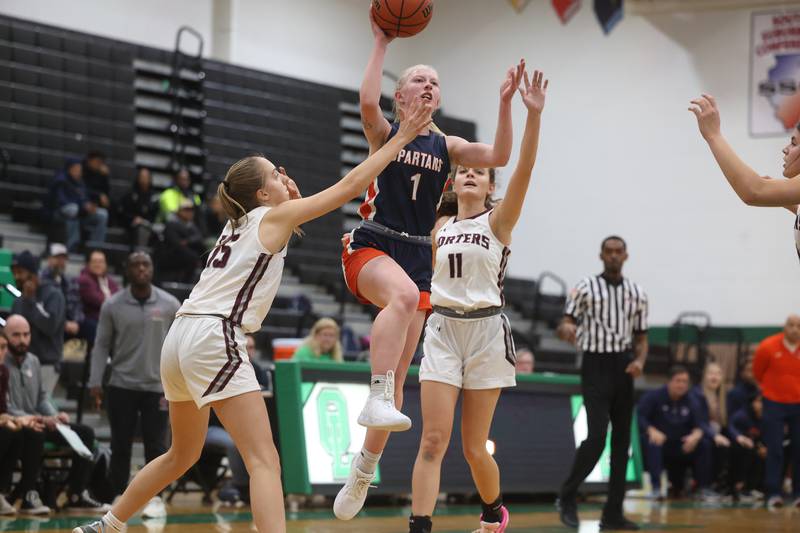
(534, 92)
(635, 369)
(707, 113)
(294, 191)
(512, 81)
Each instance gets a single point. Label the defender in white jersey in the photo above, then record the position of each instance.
(752, 188)
(203, 361)
(469, 351)
(468, 341)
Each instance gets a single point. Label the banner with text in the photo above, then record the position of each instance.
(774, 72)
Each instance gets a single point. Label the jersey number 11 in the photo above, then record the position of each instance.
(455, 265)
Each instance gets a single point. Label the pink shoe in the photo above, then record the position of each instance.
(494, 527)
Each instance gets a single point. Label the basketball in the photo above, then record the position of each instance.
(402, 18)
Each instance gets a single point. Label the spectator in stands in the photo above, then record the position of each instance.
(776, 366)
(132, 327)
(710, 396)
(97, 177)
(75, 208)
(28, 398)
(95, 286)
(670, 423)
(183, 245)
(21, 438)
(138, 209)
(744, 389)
(172, 198)
(219, 441)
(525, 361)
(214, 218)
(748, 450)
(10, 435)
(43, 307)
(55, 273)
(322, 343)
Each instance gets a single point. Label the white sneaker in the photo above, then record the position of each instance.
(380, 412)
(6, 509)
(32, 504)
(774, 502)
(155, 508)
(351, 497)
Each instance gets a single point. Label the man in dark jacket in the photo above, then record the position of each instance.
(97, 177)
(75, 208)
(139, 208)
(183, 244)
(55, 274)
(749, 452)
(43, 307)
(670, 424)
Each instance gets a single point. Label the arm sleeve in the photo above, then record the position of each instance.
(49, 322)
(102, 346)
(44, 406)
(90, 293)
(576, 300)
(645, 411)
(640, 320)
(702, 420)
(734, 426)
(761, 362)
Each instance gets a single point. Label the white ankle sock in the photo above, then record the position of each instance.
(113, 522)
(377, 384)
(367, 461)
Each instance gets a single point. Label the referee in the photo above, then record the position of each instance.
(606, 317)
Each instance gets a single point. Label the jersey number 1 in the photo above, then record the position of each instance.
(415, 178)
(455, 265)
(222, 252)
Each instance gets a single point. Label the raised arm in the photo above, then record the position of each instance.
(376, 127)
(751, 188)
(506, 214)
(278, 223)
(481, 155)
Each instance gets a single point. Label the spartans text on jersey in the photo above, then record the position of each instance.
(420, 159)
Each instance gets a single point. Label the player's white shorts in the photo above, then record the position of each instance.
(204, 360)
(469, 353)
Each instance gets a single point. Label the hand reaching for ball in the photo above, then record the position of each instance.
(534, 92)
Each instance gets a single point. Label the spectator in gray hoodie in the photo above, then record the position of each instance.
(131, 330)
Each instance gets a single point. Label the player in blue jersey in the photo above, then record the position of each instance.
(752, 188)
(387, 259)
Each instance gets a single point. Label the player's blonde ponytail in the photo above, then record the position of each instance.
(237, 192)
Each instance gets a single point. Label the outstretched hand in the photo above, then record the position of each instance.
(534, 92)
(294, 191)
(418, 117)
(512, 81)
(379, 35)
(707, 113)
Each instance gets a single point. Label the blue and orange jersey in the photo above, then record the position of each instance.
(404, 196)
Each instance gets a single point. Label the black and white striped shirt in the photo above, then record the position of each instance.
(607, 314)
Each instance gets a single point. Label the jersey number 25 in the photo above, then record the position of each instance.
(222, 252)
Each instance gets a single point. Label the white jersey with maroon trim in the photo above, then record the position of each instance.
(240, 279)
(470, 265)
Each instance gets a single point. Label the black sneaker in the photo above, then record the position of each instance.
(32, 504)
(568, 513)
(619, 523)
(84, 503)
